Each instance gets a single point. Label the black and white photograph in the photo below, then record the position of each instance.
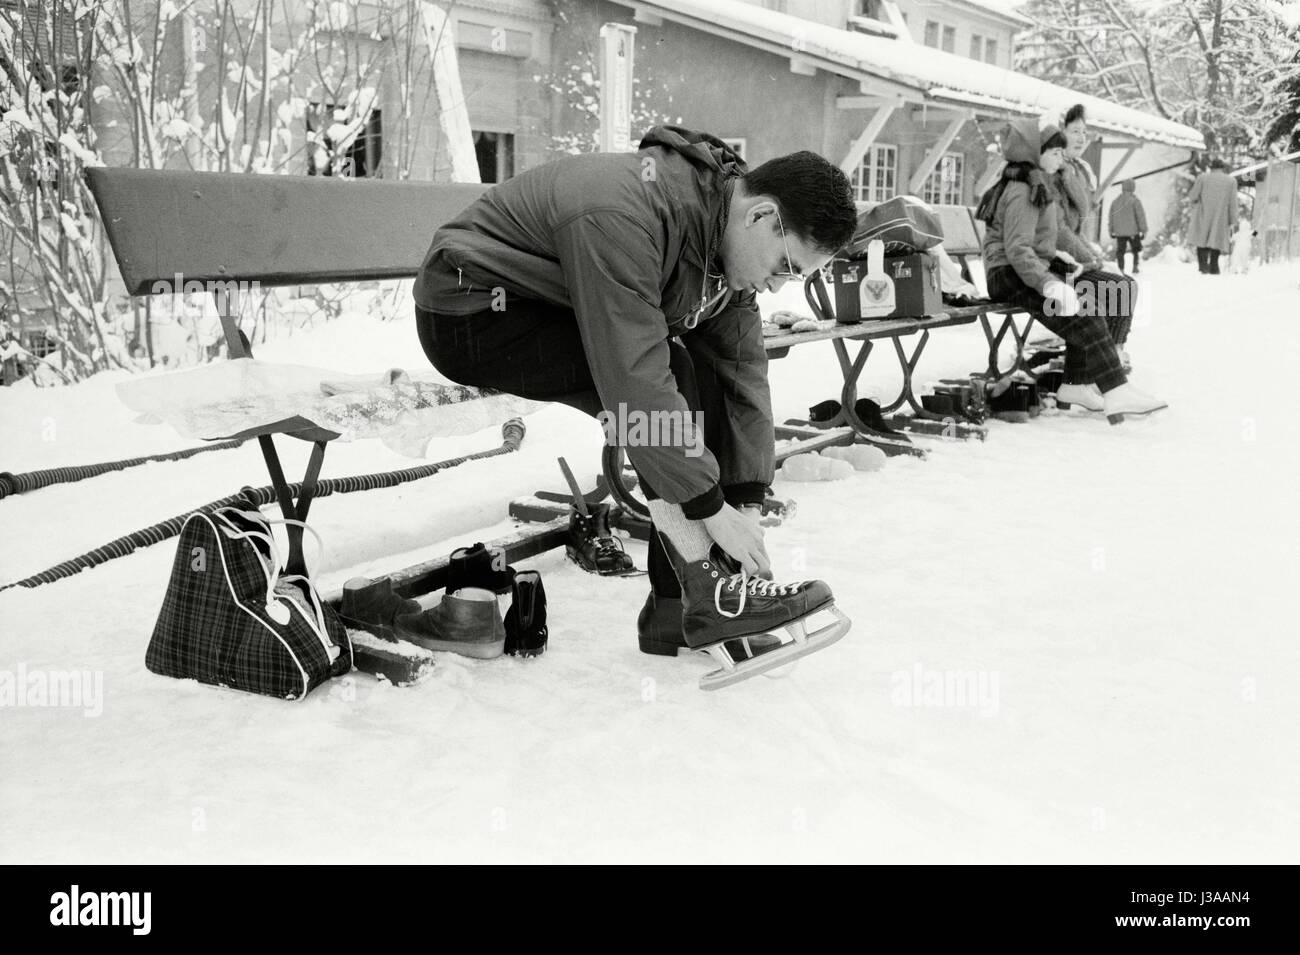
(409, 454)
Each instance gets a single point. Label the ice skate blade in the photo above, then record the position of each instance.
(1120, 416)
(804, 643)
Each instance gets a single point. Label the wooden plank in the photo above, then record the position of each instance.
(221, 229)
(884, 328)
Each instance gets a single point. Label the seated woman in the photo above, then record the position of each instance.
(1076, 184)
(1026, 267)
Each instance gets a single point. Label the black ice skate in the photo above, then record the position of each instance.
(590, 543)
(733, 617)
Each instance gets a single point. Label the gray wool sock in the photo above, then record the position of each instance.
(688, 537)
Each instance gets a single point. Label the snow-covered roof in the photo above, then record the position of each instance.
(916, 71)
(1002, 8)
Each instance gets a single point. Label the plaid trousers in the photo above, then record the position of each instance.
(1090, 337)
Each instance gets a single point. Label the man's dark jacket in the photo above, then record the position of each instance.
(628, 241)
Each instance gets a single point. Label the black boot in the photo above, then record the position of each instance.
(478, 567)
(526, 631)
(371, 605)
(592, 547)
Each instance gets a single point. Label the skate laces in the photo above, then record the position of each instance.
(750, 586)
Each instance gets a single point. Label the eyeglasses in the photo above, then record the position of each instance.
(789, 262)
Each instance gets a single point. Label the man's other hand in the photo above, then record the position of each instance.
(742, 538)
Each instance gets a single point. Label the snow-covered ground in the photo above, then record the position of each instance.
(1121, 600)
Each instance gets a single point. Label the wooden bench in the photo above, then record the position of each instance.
(229, 232)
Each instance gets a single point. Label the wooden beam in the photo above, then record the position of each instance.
(642, 15)
(1110, 176)
(863, 142)
(894, 17)
(453, 114)
(868, 102)
(801, 67)
(936, 151)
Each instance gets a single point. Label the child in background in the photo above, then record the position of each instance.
(1128, 225)
(1239, 264)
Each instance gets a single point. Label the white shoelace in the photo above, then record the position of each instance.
(751, 586)
(270, 568)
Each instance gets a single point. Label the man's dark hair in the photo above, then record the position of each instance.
(1218, 164)
(815, 198)
(1073, 113)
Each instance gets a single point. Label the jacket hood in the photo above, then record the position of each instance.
(702, 149)
(1128, 185)
(1024, 141)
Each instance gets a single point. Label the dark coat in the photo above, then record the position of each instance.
(628, 242)
(1214, 210)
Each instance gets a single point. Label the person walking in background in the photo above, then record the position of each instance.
(1213, 198)
(1128, 224)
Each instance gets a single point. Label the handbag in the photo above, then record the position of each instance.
(231, 618)
(905, 224)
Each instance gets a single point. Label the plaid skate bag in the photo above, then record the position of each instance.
(231, 618)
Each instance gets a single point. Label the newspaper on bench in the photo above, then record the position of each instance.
(404, 411)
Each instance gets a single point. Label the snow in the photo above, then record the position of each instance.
(1117, 601)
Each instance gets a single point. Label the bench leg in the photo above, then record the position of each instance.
(995, 342)
(921, 421)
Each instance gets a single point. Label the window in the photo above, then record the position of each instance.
(871, 9)
(976, 47)
(40, 344)
(949, 39)
(877, 175)
(944, 184)
(359, 159)
(737, 144)
(496, 155)
(990, 50)
(931, 34)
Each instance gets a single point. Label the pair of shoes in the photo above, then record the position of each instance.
(467, 622)
(824, 413)
(1017, 403)
(371, 605)
(1086, 397)
(1127, 401)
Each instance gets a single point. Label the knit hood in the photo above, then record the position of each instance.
(1022, 147)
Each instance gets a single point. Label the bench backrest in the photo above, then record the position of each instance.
(275, 230)
(960, 234)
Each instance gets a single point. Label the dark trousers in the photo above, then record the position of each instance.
(1207, 260)
(1090, 345)
(533, 350)
(1124, 243)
